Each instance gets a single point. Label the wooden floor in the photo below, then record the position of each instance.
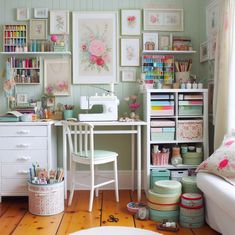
(16, 220)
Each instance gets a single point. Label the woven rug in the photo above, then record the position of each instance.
(115, 230)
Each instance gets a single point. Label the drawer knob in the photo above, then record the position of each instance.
(22, 145)
(23, 172)
(23, 132)
(25, 158)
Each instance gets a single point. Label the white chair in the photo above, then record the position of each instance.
(81, 147)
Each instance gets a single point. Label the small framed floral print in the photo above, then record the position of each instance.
(59, 22)
(130, 52)
(129, 75)
(131, 22)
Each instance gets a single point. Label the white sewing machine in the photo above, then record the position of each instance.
(110, 108)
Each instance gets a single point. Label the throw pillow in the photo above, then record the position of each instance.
(222, 161)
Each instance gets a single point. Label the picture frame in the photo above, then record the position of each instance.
(130, 52)
(22, 14)
(150, 41)
(38, 29)
(129, 75)
(165, 42)
(50, 101)
(212, 47)
(40, 13)
(93, 30)
(212, 18)
(59, 22)
(21, 99)
(164, 19)
(131, 22)
(204, 51)
(57, 76)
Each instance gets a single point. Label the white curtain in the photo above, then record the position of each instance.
(224, 78)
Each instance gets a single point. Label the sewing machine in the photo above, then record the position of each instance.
(110, 108)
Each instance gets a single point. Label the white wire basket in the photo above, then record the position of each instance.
(46, 199)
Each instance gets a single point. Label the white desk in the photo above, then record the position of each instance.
(134, 128)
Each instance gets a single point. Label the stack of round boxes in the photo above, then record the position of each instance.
(191, 210)
(163, 200)
(189, 184)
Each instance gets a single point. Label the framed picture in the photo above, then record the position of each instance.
(21, 98)
(57, 76)
(130, 52)
(164, 19)
(128, 75)
(131, 22)
(95, 46)
(212, 18)
(150, 41)
(165, 42)
(22, 13)
(51, 101)
(212, 47)
(40, 13)
(204, 51)
(59, 22)
(38, 29)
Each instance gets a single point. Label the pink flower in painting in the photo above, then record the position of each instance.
(228, 143)
(93, 59)
(97, 48)
(134, 106)
(153, 19)
(131, 18)
(223, 163)
(100, 61)
(62, 86)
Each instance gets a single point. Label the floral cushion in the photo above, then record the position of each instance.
(222, 161)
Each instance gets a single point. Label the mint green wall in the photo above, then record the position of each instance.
(194, 27)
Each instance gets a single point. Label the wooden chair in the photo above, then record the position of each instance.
(81, 147)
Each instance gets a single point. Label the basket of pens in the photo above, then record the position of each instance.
(46, 191)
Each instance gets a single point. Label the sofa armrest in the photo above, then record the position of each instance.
(218, 190)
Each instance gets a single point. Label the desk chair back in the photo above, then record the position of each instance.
(81, 147)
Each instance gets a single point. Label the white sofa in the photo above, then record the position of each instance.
(219, 198)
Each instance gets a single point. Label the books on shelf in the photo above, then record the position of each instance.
(11, 116)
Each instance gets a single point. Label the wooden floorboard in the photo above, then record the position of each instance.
(16, 220)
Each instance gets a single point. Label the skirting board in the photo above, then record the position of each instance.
(124, 179)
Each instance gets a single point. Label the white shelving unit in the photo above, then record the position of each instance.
(148, 116)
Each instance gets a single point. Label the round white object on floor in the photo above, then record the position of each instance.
(114, 230)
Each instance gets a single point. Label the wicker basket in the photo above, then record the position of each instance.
(160, 158)
(46, 199)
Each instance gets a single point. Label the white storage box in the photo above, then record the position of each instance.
(46, 199)
(177, 175)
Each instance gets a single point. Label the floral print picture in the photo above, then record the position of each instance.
(130, 22)
(163, 19)
(59, 22)
(130, 55)
(94, 47)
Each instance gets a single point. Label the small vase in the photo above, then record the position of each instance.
(68, 113)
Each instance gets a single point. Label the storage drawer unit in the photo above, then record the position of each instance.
(22, 144)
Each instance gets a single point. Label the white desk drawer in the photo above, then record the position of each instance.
(23, 143)
(14, 186)
(24, 156)
(15, 170)
(23, 130)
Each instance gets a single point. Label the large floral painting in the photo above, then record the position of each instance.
(94, 47)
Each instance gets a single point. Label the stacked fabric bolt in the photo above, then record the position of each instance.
(189, 184)
(191, 210)
(163, 200)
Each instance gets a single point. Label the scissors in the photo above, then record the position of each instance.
(112, 219)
